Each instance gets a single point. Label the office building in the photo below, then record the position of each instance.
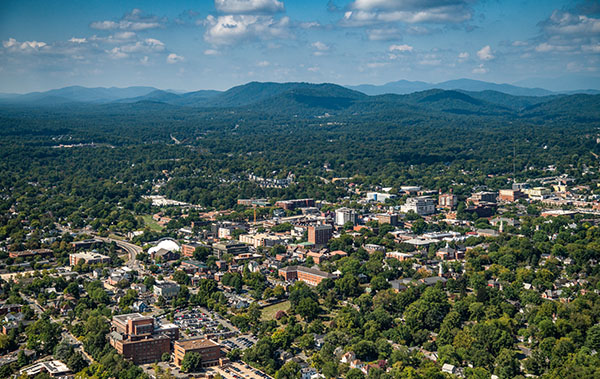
(344, 215)
(137, 338)
(89, 258)
(320, 234)
(209, 350)
(388, 218)
(167, 290)
(422, 205)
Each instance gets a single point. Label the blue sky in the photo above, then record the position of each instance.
(206, 44)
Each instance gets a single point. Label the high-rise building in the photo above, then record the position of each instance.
(344, 215)
(320, 234)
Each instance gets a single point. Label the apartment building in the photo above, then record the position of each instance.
(320, 234)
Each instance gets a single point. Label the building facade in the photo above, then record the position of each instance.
(320, 234)
(209, 350)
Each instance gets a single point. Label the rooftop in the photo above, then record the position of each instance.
(196, 343)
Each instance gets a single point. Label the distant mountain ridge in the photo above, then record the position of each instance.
(310, 100)
(405, 87)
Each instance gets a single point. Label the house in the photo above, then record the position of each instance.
(448, 368)
(348, 357)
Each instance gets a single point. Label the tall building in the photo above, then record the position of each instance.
(447, 200)
(388, 218)
(320, 234)
(344, 215)
(137, 338)
(209, 350)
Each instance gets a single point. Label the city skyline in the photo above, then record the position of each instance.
(188, 45)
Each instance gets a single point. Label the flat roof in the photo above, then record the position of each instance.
(129, 316)
(196, 343)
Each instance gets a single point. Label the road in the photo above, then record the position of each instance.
(131, 249)
(65, 333)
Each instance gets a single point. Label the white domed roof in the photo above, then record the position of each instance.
(169, 244)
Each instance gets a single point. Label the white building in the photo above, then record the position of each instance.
(166, 289)
(379, 196)
(344, 215)
(422, 205)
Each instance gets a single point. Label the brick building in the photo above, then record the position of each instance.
(209, 350)
(320, 234)
(138, 339)
(311, 276)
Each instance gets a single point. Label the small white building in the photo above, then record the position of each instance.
(422, 205)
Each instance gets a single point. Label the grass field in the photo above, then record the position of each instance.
(268, 313)
(153, 225)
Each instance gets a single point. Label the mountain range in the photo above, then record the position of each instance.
(466, 97)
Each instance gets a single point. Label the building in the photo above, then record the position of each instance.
(87, 244)
(137, 338)
(483, 197)
(209, 350)
(89, 258)
(320, 234)
(422, 205)
(166, 289)
(233, 248)
(166, 250)
(344, 215)
(188, 249)
(388, 218)
(379, 196)
(55, 369)
(510, 195)
(447, 200)
(399, 255)
(537, 193)
(30, 253)
(262, 239)
(290, 205)
(310, 276)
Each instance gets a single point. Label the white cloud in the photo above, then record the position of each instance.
(320, 46)
(376, 64)
(384, 34)
(314, 69)
(78, 40)
(463, 55)
(368, 12)
(231, 29)
(263, 63)
(481, 69)
(144, 60)
(519, 43)
(134, 20)
(400, 48)
(249, 6)
(174, 58)
(15, 45)
(486, 54)
(211, 52)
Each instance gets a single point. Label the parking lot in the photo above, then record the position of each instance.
(239, 370)
(242, 342)
(196, 323)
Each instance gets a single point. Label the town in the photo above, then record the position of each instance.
(408, 282)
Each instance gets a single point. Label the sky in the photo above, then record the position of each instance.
(205, 44)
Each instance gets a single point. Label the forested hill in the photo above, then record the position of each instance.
(314, 100)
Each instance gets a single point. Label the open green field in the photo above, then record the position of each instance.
(149, 222)
(268, 313)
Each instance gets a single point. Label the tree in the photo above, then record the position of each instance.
(290, 370)
(593, 338)
(308, 308)
(354, 373)
(192, 362)
(507, 364)
(181, 277)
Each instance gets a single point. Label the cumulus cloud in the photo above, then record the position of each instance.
(135, 20)
(249, 6)
(13, 44)
(481, 69)
(211, 52)
(463, 55)
(149, 45)
(486, 54)
(263, 63)
(368, 12)
(174, 58)
(400, 48)
(569, 32)
(231, 29)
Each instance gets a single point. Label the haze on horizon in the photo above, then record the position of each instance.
(189, 45)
